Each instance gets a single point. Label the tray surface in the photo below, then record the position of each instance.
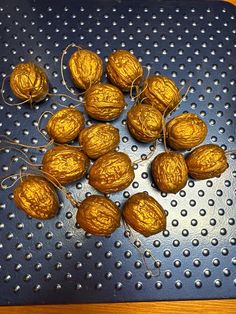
(55, 261)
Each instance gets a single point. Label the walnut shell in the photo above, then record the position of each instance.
(104, 102)
(36, 197)
(65, 163)
(99, 139)
(206, 161)
(29, 82)
(170, 172)
(86, 68)
(161, 92)
(111, 172)
(144, 214)
(124, 70)
(65, 125)
(185, 131)
(144, 122)
(98, 215)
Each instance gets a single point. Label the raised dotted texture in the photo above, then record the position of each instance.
(56, 261)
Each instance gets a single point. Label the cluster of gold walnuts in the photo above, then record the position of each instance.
(112, 170)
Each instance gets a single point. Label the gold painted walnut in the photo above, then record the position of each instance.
(65, 125)
(29, 82)
(65, 163)
(98, 215)
(185, 131)
(170, 172)
(161, 92)
(124, 70)
(111, 172)
(36, 197)
(104, 102)
(86, 68)
(206, 161)
(144, 214)
(99, 139)
(144, 122)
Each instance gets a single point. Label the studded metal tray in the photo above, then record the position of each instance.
(55, 261)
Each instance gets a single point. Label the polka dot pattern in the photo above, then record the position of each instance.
(56, 261)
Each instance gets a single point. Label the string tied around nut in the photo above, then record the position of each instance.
(147, 157)
(164, 115)
(144, 253)
(140, 160)
(18, 176)
(53, 135)
(30, 98)
(79, 102)
(39, 124)
(64, 52)
(230, 152)
(35, 171)
(3, 97)
(26, 159)
(10, 141)
(137, 87)
(50, 141)
(72, 200)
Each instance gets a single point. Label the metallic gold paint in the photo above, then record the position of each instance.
(161, 92)
(144, 122)
(86, 68)
(144, 214)
(36, 197)
(206, 161)
(98, 215)
(124, 70)
(29, 82)
(170, 172)
(65, 125)
(99, 139)
(111, 172)
(185, 131)
(104, 102)
(65, 163)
